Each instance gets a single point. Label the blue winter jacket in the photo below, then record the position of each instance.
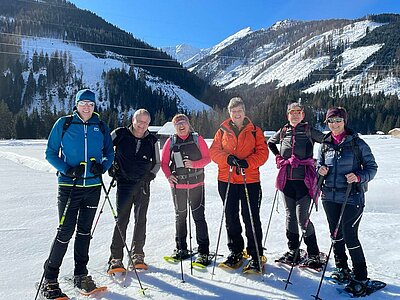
(81, 142)
(343, 159)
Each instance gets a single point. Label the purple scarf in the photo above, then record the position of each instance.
(310, 178)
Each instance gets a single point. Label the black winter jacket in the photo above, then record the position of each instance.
(134, 157)
(352, 155)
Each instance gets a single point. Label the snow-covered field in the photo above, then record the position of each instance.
(29, 219)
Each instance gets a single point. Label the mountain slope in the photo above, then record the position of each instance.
(71, 48)
(315, 56)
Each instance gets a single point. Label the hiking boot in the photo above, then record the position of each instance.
(84, 283)
(203, 259)
(180, 254)
(253, 265)
(288, 257)
(357, 287)
(115, 264)
(313, 262)
(50, 289)
(138, 261)
(341, 275)
(234, 260)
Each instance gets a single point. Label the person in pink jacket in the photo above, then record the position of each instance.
(183, 158)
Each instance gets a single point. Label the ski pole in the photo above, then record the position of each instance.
(251, 220)
(222, 220)
(60, 224)
(121, 235)
(177, 228)
(270, 217)
(334, 235)
(297, 253)
(107, 192)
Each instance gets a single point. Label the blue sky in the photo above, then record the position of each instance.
(204, 23)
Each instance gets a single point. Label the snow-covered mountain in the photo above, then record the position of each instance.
(182, 53)
(189, 55)
(348, 55)
(91, 69)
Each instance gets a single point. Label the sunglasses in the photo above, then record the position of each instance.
(335, 120)
(86, 103)
(295, 112)
(182, 122)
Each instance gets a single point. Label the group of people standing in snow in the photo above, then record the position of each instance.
(85, 149)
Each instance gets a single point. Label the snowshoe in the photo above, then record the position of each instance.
(357, 288)
(86, 285)
(202, 261)
(115, 265)
(253, 266)
(289, 256)
(233, 261)
(138, 262)
(314, 262)
(178, 255)
(50, 289)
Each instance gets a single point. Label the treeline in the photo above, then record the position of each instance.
(367, 114)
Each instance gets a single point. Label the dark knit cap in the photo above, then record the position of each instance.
(86, 95)
(336, 112)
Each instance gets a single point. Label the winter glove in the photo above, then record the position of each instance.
(76, 172)
(232, 160)
(149, 176)
(96, 169)
(242, 163)
(113, 170)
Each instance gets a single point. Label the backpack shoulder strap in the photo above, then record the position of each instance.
(356, 150)
(67, 123)
(173, 142)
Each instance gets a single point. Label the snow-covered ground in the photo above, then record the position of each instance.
(29, 219)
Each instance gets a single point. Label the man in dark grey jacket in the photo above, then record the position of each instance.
(297, 180)
(137, 161)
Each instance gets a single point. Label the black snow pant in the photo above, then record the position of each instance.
(297, 204)
(195, 197)
(347, 236)
(136, 194)
(236, 197)
(79, 215)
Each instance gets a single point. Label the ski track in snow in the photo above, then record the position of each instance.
(29, 222)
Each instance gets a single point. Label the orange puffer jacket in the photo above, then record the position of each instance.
(249, 145)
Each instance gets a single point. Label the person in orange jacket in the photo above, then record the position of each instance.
(239, 149)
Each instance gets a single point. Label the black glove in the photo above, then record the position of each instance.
(76, 172)
(149, 176)
(112, 172)
(96, 169)
(232, 160)
(242, 163)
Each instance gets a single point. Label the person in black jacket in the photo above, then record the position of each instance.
(345, 159)
(297, 180)
(137, 161)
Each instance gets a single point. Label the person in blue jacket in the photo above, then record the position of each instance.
(345, 159)
(81, 153)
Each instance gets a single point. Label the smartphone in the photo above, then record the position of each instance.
(178, 160)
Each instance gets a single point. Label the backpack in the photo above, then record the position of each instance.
(358, 155)
(195, 136)
(68, 122)
(307, 132)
